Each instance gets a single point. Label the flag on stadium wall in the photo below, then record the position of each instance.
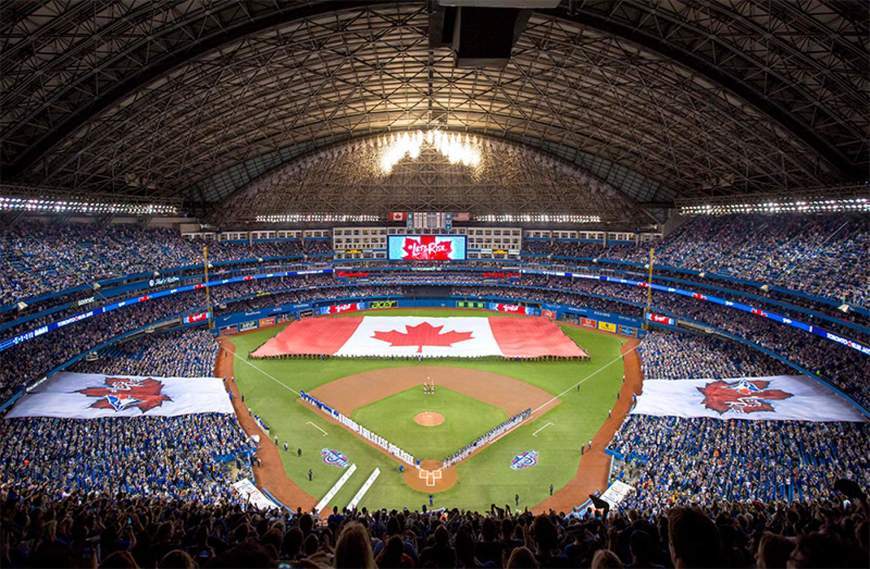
(93, 396)
(414, 336)
(398, 216)
(774, 398)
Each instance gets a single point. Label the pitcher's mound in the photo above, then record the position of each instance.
(429, 419)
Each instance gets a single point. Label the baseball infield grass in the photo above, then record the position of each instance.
(465, 419)
(270, 388)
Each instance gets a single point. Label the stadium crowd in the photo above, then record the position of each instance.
(44, 257)
(189, 457)
(666, 355)
(700, 460)
(79, 530)
(180, 353)
(817, 254)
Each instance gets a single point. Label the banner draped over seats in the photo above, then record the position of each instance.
(774, 398)
(428, 337)
(92, 396)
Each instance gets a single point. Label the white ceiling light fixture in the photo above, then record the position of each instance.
(458, 149)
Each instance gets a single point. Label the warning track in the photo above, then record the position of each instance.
(270, 474)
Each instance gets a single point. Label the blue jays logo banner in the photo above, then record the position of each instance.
(334, 457)
(525, 459)
(93, 396)
(773, 398)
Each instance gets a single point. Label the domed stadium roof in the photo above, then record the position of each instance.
(656, 100)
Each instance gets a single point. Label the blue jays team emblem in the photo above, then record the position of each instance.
(526, 459)
(334, 457)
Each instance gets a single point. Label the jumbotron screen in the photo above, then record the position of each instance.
(426, 247)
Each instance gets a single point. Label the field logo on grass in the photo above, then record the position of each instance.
(334, 457)
(525, 459)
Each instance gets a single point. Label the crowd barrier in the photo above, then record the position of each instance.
(492, 435)
(378, 440)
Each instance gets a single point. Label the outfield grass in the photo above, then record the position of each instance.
(465, 419)
(269, 388)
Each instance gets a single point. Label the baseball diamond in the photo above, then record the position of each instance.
(385, 396)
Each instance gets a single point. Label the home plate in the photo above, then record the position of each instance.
(535, 434)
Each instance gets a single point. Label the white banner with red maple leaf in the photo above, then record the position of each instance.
(773, 398)
(424, 337)
(92, 396)
(409, 336)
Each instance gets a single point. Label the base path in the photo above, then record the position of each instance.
(270, 475)
(511, 395)
(594, 464)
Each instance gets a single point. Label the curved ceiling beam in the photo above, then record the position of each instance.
(584, 15)
(151, 72)
(716, 74)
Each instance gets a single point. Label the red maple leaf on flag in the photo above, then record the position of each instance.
(423, 334)
(741, 396)
(121, 393)
(427, 249)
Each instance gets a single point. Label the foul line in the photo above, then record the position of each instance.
(316, 427)
(535, 434)
(585, 379)
(270, 376)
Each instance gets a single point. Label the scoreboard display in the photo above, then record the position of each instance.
(426, 247)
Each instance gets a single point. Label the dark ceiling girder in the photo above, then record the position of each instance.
(593, 20)
(151, 72)
(36, 151)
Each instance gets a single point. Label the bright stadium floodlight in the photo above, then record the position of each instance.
(785, 206)
(38, 205)
(458, 149)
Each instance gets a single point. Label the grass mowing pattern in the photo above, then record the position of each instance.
(484, 479)
(465, 419)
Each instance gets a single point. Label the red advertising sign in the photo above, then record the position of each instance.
(351, 274)
(500, 275)
(660, 318)
(348, 307)
(266, 322)
(588, 322)
(196, 317)
(510, 308)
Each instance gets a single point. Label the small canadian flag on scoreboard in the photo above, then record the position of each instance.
(398, 216)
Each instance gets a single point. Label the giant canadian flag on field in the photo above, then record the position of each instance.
(416, 336)
(773, 398)
(92, 396)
